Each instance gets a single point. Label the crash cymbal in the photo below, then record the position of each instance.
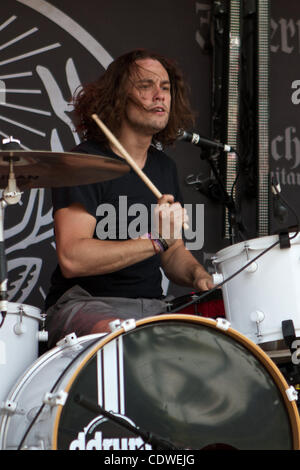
(43, 169)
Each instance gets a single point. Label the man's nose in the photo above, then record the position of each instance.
(158, 93)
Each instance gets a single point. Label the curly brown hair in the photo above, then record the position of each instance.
(107, 97)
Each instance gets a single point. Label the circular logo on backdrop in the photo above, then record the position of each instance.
(45, 57)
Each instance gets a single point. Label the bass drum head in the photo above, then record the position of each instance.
(183, 379)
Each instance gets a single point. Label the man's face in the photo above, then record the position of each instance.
(149, 98)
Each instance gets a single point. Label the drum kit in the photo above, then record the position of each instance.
(179, 380)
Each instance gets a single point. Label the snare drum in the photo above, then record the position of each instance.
(266, 293)
(187, 380)
(19, 342)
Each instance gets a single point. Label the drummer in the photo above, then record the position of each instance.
(109, 261)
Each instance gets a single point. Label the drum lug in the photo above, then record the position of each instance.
(292, 394)
(252, 268)
(42, 336)
(11, 407)
(20, 328)
(55, 399)
(223, 324)
(127, 325)
(257, 317)
(69, 341)
(114, 325)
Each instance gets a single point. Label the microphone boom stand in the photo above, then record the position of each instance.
(148, 437)
(235, 223)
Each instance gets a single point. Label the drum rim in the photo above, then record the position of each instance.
(275, 373)
(36, 312)
(257, 244)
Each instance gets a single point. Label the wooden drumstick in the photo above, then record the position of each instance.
(129, 159)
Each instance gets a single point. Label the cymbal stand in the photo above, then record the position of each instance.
(11, 195)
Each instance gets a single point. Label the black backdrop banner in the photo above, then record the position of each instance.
(285, 104)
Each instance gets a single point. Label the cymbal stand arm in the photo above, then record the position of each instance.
(3, 266)
(11, 195)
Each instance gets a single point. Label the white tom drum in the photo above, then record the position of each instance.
(266, 293)
(187, 380)
(19, 343)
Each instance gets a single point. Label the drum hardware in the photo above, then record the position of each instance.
(43, 334)
(3, 266)
(127, 325)
(215, 189)
(291, 393)
(11, 195)
(157, 442)
(55, 399)
(257, 317)
(206, 186)
(19, 327)
(252, 268)
(10, 407)
(222, 324)
(196, 297)
(114, 325)
(69, 341)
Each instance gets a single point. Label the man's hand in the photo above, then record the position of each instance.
(169, 217)
(204, 283)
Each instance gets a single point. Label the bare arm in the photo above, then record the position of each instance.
(181, 267)
(79, 254)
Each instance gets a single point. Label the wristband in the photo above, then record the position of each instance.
(159, 244)
(157, 250)
(162, 242)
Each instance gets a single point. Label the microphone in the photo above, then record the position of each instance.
(280, 211)
(199, 141)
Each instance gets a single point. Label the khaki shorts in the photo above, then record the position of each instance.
(78, 312)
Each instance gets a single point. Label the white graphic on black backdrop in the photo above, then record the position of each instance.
(285, 143)
(37, 77)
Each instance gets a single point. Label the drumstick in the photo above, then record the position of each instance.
(129, 159)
